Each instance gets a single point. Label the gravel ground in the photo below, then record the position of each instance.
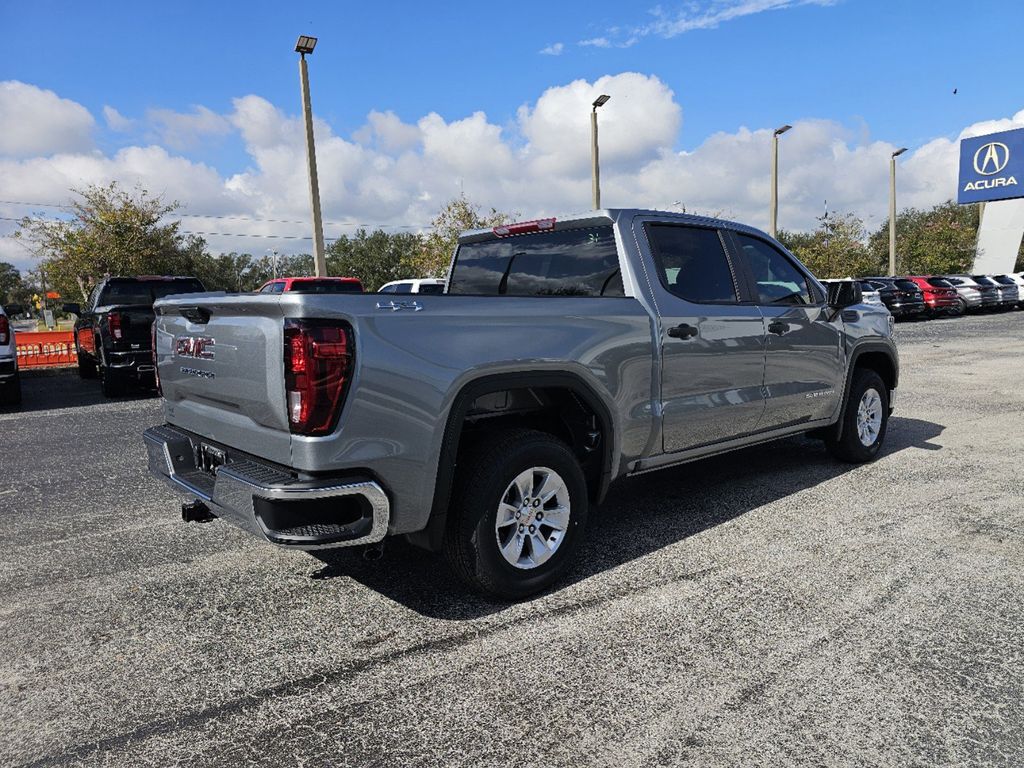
(770, 607)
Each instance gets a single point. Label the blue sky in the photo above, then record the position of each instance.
(877, 72)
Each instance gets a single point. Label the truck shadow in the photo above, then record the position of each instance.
(639, 516)
(59, 388)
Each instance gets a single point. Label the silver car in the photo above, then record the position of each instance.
(1009, 287)
(10, 383)
(972, 295)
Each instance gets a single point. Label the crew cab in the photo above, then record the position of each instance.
(485, 423)
(10, 381)
(113, 330)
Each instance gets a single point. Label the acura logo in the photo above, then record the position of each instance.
(199, 347)
(991, 158)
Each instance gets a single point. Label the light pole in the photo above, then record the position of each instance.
(892, 210)
(306, 45)
(595, 172)
(273, 257)
(773, 227)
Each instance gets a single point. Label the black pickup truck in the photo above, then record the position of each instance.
(113, 330)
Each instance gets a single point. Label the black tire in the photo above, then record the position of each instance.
(112, 383)
(484, 474)
(10, 392)
(86, 368)
(849, 446)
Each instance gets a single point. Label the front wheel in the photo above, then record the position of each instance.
(864, 419)
(519, 508)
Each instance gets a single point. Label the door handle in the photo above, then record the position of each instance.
(778, 327)
(682, 331)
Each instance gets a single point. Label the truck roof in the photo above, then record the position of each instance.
(606, 215)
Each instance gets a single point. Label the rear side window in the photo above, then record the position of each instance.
(907, 285)
(778, 280)
(571, 262)
(691, 263)
(432, 288)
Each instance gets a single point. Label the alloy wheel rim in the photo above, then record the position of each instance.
(869, 417)
(533, 517)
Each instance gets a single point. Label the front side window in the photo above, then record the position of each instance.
(778, 280)
(692, 264)
(570, 262)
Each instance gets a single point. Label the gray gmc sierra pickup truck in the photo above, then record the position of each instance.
(483, 423)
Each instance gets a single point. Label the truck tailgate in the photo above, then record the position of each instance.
(221, 360)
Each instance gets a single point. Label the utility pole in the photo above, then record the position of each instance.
(303, 46)
(892, 210)
(595, 171)
(773, 226)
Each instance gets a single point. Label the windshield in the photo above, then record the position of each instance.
(146, 291)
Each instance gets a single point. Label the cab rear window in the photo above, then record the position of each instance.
(571, 262)
(146, 292)
(325, 286)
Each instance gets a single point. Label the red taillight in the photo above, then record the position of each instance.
(522, 227)
(317, 367)
(5, 329)
(156, 362)
(114, 325)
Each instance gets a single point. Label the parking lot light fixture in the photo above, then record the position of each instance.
(773, 227)
(595, 174)
(892, 210)
(306, 45)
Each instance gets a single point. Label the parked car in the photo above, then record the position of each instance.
(428, 285)
(1009, 288)
(1007, 296)
(312, 285)
(484, 423)
(973, 296)
(901, 297)
(1018, 280)
(939, 294)
(10, 380)
(113, 330)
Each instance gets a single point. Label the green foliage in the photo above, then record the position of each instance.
(835, 248)
(376, 257)
(111, 232)
(939, 241)
(457, 216)
(10, 283)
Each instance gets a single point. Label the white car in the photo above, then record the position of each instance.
(1018, 278)
(869, 294)
(10, 382)
(421, 285)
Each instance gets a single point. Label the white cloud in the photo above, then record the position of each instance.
(394, 173)
(696, 14)
(185, 130)
(34, 122)
(116, 121)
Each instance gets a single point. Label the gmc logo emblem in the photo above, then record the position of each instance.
(199, 347)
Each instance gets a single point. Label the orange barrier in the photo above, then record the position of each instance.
(46, 349)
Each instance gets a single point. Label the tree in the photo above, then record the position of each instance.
(939, 241)
(10, 283)
(835, 248)
(455, 217)
(376, 257)
(111, 232)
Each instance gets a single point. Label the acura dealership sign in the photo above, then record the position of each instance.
(991, 167)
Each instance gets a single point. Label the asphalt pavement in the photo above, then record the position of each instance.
(770, 607)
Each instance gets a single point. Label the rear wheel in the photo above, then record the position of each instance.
(112, 383)
(518, 512)
(864, 419)
(10, 392)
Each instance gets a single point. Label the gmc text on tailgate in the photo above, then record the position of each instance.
(484, 423)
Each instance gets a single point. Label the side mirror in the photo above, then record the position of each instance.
(72, 309)
(844, 294)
